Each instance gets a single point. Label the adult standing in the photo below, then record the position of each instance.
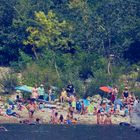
(50, 92)
(70, 89)
(34, 94)
(41, 92)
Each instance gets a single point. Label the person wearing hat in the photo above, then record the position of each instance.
(41, 92)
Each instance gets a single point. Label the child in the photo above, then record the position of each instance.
(108, 119)
(61, 119)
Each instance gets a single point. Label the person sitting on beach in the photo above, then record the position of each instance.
(30, 122)
(63, 96)
(20, 106)
(3, 113)
(61, 119)
(9, 112)
(19, 97)
(125, 93)
(41, 106)
(69, 118)
(74, 121)
(31, 108)
(108, 119)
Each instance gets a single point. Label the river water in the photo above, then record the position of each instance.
(67, 132)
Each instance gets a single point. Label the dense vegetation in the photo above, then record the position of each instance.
(90, 42)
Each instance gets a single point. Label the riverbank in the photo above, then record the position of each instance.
(45, 115)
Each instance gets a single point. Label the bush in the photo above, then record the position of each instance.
(8, 82)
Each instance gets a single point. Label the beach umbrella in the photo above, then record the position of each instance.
(24, 88)
(107, 89)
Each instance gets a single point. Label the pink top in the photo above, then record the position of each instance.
(34, 93)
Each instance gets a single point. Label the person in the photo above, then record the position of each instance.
(74, 121)
(82, 108)
(125, 93)
(18, 97)
(70, 89)
(116, 91)
(98, 115)
(91, 108)
(3, 113)
(9, 112)
(112, 97)
(41, 92)
(73, 104)
(31, 108)
(56, 120)
(50, 93)
(34, 95)
(136, 101)
(63, 95)
(52, 116)
(61, 119)
(108, 119)
(78, 106)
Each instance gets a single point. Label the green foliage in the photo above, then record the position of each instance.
(24, 60)
(49, 32)
(56, 41)
(35, 74)
(8, 82)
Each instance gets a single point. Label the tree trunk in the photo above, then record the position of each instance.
(109, 68)
(57, 70)
(35, 54)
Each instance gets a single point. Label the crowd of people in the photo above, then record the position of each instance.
(102, 108)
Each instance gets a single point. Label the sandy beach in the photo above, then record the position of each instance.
(45, 115)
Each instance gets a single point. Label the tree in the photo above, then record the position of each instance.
(48, 33)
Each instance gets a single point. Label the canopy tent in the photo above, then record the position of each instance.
(107, 89)
(24, 88)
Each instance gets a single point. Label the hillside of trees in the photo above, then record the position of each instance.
(90, 42)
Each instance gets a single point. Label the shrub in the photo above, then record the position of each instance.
(8, 82)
